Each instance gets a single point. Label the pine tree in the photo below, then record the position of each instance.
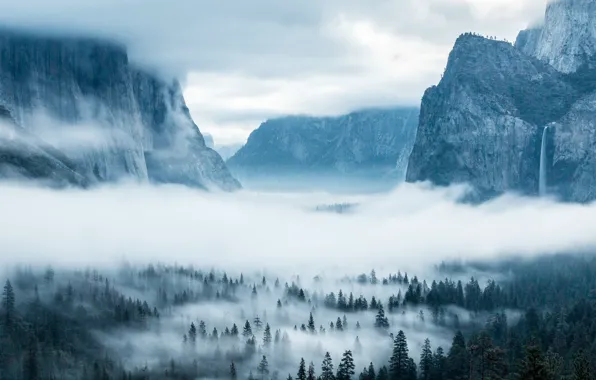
(192, 334)
(267, 336)
(426, 361)
(399, 361)
(411, 370)
(233, 374)
(234, 332)
(301, 370)
(381, 321)
(457, 366)
(581, 367)
(258, 324)
(533, 366)
(202, 329)
(8, 304)
(371, 372)
(247, 331)
(383, 373)
(345, 369)
(327, 368)
(30, 364)
(263, 367)
(439, 364)
(311, 372)
(311, 324)
(338, 325)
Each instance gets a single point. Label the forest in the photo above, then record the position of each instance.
(507, 319)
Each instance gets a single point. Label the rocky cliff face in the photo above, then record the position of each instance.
(567, 40)
(483, 123)
(110, 119)
(366, 143)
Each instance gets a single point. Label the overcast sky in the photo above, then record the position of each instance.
(246, 60)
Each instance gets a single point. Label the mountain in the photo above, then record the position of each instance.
(363, 145)
(484, 123)
(567, 39)
(24, 156)
(110, 119)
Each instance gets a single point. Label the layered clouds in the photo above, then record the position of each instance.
(247, 61)
(411, 229)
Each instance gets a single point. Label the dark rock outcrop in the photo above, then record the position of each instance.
(483, 123)
(138, 124)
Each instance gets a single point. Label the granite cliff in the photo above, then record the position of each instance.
(365, 144)
(109, 119)
(483, 123)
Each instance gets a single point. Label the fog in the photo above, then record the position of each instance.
(121, 229)
(412, 227)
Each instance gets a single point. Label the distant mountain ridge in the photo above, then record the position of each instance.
(145, 129)
(368, 143)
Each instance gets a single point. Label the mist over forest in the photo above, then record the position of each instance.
(129, 282)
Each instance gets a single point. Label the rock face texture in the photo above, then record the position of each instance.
(110, 119)
(567, 40)
(483, 123)
(370, 143)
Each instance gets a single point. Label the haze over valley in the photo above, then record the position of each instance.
(265, 191)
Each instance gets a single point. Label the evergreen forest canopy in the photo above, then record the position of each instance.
(510, 319)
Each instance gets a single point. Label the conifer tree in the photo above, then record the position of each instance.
(311, 372)
(263, 367)
(258, 324)
(345, 369)
(233, 374)
(267, 339)
(8, 304)
(399, 361)
(426, 361)
(581, 367)
(192, 334)
(338, 325)
(301, 370)
(247, 331)
(439, 364)
(457, 366)
(327, 368)
(383, 373)
(371, 372)
(202, 329)
(533, 366)
(311, 324)
(381, 321)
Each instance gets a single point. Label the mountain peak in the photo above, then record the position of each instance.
(567, 39)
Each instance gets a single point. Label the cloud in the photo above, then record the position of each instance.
(319, 57)
(411, 228)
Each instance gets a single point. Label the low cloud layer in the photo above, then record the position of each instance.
(409, 229)
(250, 61)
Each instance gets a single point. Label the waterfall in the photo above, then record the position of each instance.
(542, 173)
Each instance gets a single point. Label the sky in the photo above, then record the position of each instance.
(243, 62)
